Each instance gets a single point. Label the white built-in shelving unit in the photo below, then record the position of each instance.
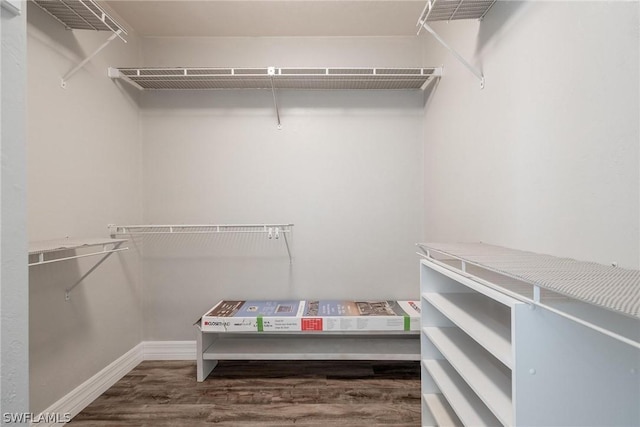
(516, 338)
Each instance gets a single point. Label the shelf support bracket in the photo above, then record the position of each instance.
(286, 241)
(474, 71)
(67, 76)
(114, 73)
(425, 253)
(108, 253)
(272, 72)
(536, 294)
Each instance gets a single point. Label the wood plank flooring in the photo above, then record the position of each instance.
(262, 393)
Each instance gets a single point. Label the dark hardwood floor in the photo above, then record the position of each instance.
(262, 393)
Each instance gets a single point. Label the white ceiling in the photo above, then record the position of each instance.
(281, 18)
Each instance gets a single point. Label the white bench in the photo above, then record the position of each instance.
(311, 345)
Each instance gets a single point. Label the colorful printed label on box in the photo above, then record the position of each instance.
(339, 315)
(253, 316)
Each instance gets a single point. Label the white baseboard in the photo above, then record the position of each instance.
(80, 397)
(169, 350)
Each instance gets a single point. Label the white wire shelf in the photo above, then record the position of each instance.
(45, 251)
(272, 231)
(278, 78)
(450, 10)
(43, 248)
(609, 287)
(80, 15)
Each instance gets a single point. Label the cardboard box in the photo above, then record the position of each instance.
(253, 316)
(353, 316)
(312, 316)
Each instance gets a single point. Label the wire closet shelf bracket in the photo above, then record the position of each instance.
(450, 10)
(82, 15)
(45, 251)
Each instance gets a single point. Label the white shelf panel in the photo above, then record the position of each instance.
(474, 365)
(441, 410)
(279, 78)
(470, 410)
(494, 292)
(314, 347)
(485, 321)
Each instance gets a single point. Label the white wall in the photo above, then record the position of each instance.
(545, 158)
(282, 52)
(346, 170)
(14, 344)
(84, 167)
